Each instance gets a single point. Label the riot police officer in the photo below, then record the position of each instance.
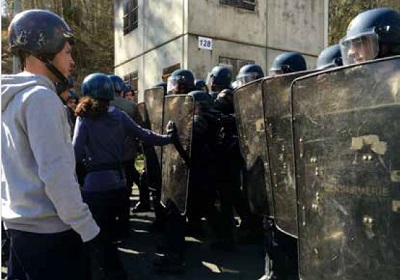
(329, 57)
(249, 73)
(288, 62)
(218, 79)
(202, 192)
(171, 257)
(371, 34)
(201, 85)
(229, 161)
(281, 248)
(181, 81)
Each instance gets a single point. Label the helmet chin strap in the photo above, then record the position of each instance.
(63, 81)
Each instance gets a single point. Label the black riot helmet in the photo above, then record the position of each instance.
(163, 85)
(329, 57)
(201, 85)
(119, 85)
(181, 81)
(202, 100)
(372, 34)
(288, 62)
(219, 78)
(248, 73)
(98, 86)
(40, 33)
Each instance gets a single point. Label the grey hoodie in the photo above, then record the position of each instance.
(39, 191)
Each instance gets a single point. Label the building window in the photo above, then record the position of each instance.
(243, 4)
(130, 16)
(168, 71)
(133, 79)
(234, 63)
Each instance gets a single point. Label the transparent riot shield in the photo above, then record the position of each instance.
(346, 140)
(144, 115)
(276, 100)
(251, 130)
(154, 99)
(175, 170)
(151, 159)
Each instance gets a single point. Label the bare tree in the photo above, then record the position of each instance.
(92, 22)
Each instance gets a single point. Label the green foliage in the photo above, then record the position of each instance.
(92, 22)
(341, 12)
(93, 25)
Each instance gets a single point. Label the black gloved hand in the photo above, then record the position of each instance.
(172, 131)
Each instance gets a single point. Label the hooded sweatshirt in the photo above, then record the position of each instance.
(39, 190)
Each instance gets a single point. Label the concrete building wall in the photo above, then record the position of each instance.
(168, 31)
(297, 25)
(202, 61)
(159, 23)
(211, 19)
(150, 65)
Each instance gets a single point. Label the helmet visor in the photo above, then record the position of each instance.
(359, 48)
(210, 80)
(246, 78)
(275, 72)
(172, 85)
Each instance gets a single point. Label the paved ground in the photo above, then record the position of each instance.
(202, 263)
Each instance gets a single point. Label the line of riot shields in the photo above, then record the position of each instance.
(322, 159)
(168, 161)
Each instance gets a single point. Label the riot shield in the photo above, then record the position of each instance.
(144, 115)
(175, 171)
(151, 159)
(154, 99)
(346, 140)
(276, 100)
(251, 130)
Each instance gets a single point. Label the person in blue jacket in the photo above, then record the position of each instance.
(99, 136)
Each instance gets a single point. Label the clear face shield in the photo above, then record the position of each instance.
(283, 70)
(275, 72)
(245, 79)
(172, 85)
(359, 48)
(210, 81)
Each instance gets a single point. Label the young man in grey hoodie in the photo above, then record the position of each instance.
(42, 207)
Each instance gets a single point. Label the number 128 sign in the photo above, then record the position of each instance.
(205, 43)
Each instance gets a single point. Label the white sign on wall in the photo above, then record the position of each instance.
(205, 43)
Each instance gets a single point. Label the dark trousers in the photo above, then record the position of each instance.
(175, 231)
(36, 256)
(107, 209)
(151, 181)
